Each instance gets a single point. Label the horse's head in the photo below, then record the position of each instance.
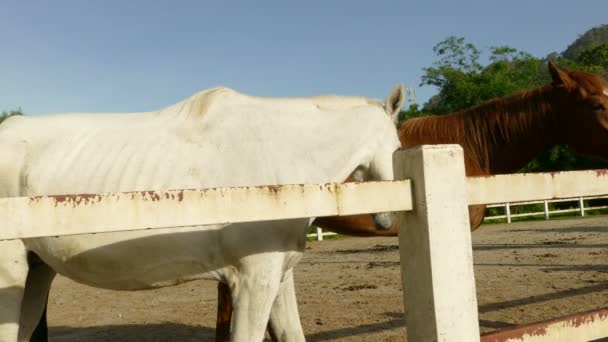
(584, 101)
(379, 165)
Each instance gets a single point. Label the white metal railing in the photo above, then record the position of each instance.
(319, 234)
(580, 202)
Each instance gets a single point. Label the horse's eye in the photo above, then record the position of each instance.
(599, 107)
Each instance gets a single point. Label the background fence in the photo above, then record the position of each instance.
(319, 233)
(527, 209)
(579, 205)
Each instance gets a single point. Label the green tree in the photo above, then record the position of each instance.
(464, 82)
(562, 158)
(412, 112)
(595, 59)
(6, 114)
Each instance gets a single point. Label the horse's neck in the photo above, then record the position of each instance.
(499, 136)
(507, 133)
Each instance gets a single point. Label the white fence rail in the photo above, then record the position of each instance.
(26, 217)
(319, 234)
(434, 239)
(580, 203)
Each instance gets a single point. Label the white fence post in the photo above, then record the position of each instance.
(546, 204)
(581, 204)
(508, 212)
(435, 246)
(319, 234)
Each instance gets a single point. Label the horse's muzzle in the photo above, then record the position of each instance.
(384, 221)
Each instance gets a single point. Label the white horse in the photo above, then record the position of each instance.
(216, 138)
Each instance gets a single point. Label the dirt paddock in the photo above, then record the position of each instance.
(350, 289)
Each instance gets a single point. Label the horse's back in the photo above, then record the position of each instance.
(217, 137)
(69, 152)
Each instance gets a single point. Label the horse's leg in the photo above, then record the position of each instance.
(254, 290)
(33, 309)
(13, 275)
(224, 313)
(41, 333)
(224, 316)
(284, 317)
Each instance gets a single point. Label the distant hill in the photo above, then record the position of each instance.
(592, 38)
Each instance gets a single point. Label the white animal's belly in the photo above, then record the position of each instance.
(150, 259)
(134, 260)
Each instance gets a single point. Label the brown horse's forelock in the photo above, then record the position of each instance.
(591, 83)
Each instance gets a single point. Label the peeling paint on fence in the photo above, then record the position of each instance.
(602, 172)
(26, 217)
(584, 326)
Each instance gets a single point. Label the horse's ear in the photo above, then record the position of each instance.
(560, 77)
(395, 101)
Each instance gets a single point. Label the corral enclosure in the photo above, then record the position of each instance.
(350, 289)
(436, 260)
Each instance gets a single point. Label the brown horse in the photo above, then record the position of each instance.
(503, 135)
(500, 136)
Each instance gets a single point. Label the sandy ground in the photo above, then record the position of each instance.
(350, 290)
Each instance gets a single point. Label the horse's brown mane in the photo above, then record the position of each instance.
(589, 81)
(432, 128)
(506, 120)
(481, 129)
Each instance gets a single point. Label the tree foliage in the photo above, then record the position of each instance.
(595, 59)
(6, 114)
(413, 111)
(464, 82)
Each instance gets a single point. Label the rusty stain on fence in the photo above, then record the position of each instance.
(602, 172)
(551, 329)
(75, 200)
(56, 215)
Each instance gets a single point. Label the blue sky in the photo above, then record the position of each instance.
(120, 56)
